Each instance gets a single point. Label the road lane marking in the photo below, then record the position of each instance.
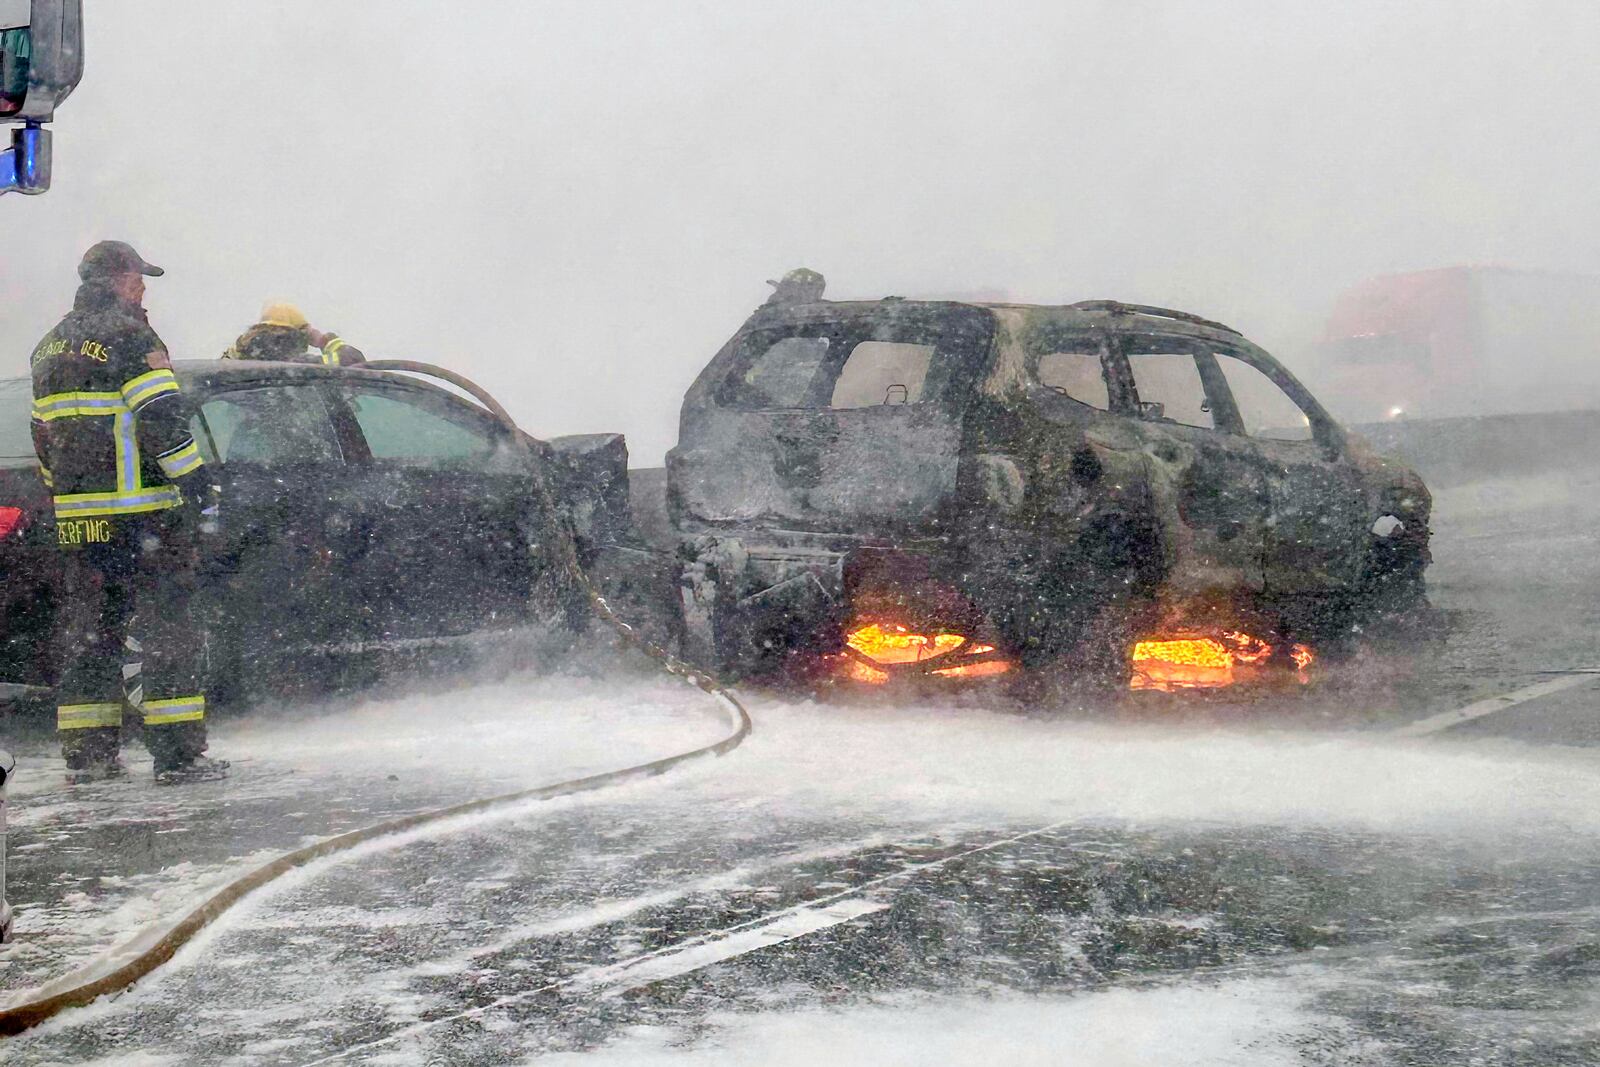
(1445, 720)
(646, 970)
(796, 917)
(820, 907)
(624, 908)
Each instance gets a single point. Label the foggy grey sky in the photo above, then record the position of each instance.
(577, 203)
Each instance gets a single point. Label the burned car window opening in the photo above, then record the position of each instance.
(782, 376)
(856, 363)
(1169, 387)
(883, 374)
(1322, 428)
(779, 369)
(1077, 373)
(267, 426)
(1265, 410)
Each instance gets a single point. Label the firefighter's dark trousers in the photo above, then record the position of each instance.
(127, 638)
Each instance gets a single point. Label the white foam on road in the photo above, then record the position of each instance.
(82, 938)
(932, 769)
(527, 730)
(1246, 1023)
(524, 731)
(966, 767)
(471, 743)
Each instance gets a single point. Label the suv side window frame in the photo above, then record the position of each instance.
(1324, 430)
(1117, 376)
(756, 343)
(1224, 410)
(962, 337)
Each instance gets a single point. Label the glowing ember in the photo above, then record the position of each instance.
(1182, 663)
(1168, 664)
(856, 671)
(1191, 651)
(986, 669)
(890, 645)
(1247, 649)
(894, 644)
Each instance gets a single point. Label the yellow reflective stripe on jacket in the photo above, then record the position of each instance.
(330, 351)
(87, 716)
(176, 709)
(181, 461)
(147, 387)
(65, 405)
(49, 479)
(87, 505)
(130, 479)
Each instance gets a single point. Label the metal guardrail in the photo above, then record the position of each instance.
(1462, 449)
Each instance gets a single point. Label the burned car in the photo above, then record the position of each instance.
(954, 488)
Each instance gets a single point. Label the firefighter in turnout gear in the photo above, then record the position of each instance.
(132, 498)
(284, 336)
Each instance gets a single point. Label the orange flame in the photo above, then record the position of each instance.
(1168, 664)
(891, 643)
(1247, 649)
(1181, 663)
(856, 671)
(987, 669)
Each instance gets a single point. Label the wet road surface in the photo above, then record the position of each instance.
(1244, 879)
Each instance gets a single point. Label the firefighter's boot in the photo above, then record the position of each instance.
(92, 755)
(198, 769)
(178, 750)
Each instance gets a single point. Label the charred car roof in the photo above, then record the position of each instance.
(1088, 312)
(1017, 322)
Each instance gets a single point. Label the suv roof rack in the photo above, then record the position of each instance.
(1116, 307)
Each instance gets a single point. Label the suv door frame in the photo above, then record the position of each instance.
(1322, 547)
(793, 450)
(1209, 550)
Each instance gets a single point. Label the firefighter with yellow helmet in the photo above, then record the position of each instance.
(284, 336)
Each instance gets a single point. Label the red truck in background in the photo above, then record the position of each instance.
(1463, 341)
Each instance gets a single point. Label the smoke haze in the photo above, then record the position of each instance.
(576, 203)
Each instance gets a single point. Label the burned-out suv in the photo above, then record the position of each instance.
(1031, 484)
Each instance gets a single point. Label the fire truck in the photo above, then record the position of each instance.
(1463, 341)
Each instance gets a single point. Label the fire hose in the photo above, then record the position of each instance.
(21, 1017)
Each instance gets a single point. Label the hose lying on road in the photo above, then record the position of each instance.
(20, 1017)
